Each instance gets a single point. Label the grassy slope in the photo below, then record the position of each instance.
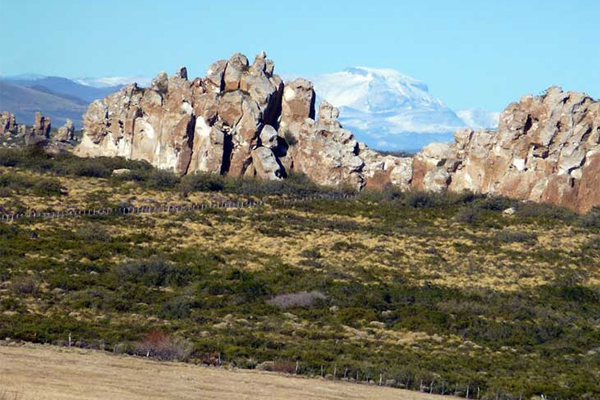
(443, 290)
(50, 373)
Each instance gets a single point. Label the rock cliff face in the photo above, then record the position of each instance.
(242, 120)
(547, 149)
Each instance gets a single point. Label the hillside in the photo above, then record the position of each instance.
(25, 101)
(437, 291)
(67, 87)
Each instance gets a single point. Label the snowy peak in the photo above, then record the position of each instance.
(386, 109)
(389, 110)
(374, 90)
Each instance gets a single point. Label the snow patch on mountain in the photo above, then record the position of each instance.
(387, 109)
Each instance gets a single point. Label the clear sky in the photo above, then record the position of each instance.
(471, 53)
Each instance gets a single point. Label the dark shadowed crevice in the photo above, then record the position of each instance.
(227, 150)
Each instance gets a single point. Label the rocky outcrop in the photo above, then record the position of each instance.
(40, 131)
(242, 120)
(546, 149)
(239, 120)
(65, 133)
(8, 123)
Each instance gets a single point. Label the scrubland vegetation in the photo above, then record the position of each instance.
(436, 292)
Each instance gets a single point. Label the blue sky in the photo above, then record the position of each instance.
(470, 53)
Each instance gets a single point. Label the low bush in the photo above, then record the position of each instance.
(91, 233)
(151, 272)
(506, 236)
(468, 215)
(545, 211)
(301, 299)
(24, 285)
(161, 180)
(163, 346)
(202, 182)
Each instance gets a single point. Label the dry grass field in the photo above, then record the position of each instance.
(438, 291)
(36, 372)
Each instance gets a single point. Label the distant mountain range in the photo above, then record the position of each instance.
(391, 111)
(384, 108)
(56, 97)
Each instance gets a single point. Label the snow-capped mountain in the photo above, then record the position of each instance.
(387, 109)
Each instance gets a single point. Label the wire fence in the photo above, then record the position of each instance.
(166, 208)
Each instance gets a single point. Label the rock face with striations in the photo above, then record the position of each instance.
(242, 120)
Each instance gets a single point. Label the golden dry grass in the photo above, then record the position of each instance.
(52, 373)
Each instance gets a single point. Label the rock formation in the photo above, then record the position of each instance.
(65, 133)
(239, 120)
(242, 120)
(40, 131)
(547, 149)
(8, 124)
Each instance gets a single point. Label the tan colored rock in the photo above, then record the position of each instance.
(269, 137)
(214, 75)
(242, 120)
(545, 150)
(8, 123)
(298, 102)
(40, 131)
(265, 164)
(236, 66)
(65, 133)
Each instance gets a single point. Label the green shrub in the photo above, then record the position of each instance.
(24, 285)
(93, 233)
(151, 272)
(468, 215)
(202, 182)
(178, 308)
(506, 236)
(92, 168)
(161, 180)
(47, 187)
(545, 211)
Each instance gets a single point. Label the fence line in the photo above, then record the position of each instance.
(166, 208)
